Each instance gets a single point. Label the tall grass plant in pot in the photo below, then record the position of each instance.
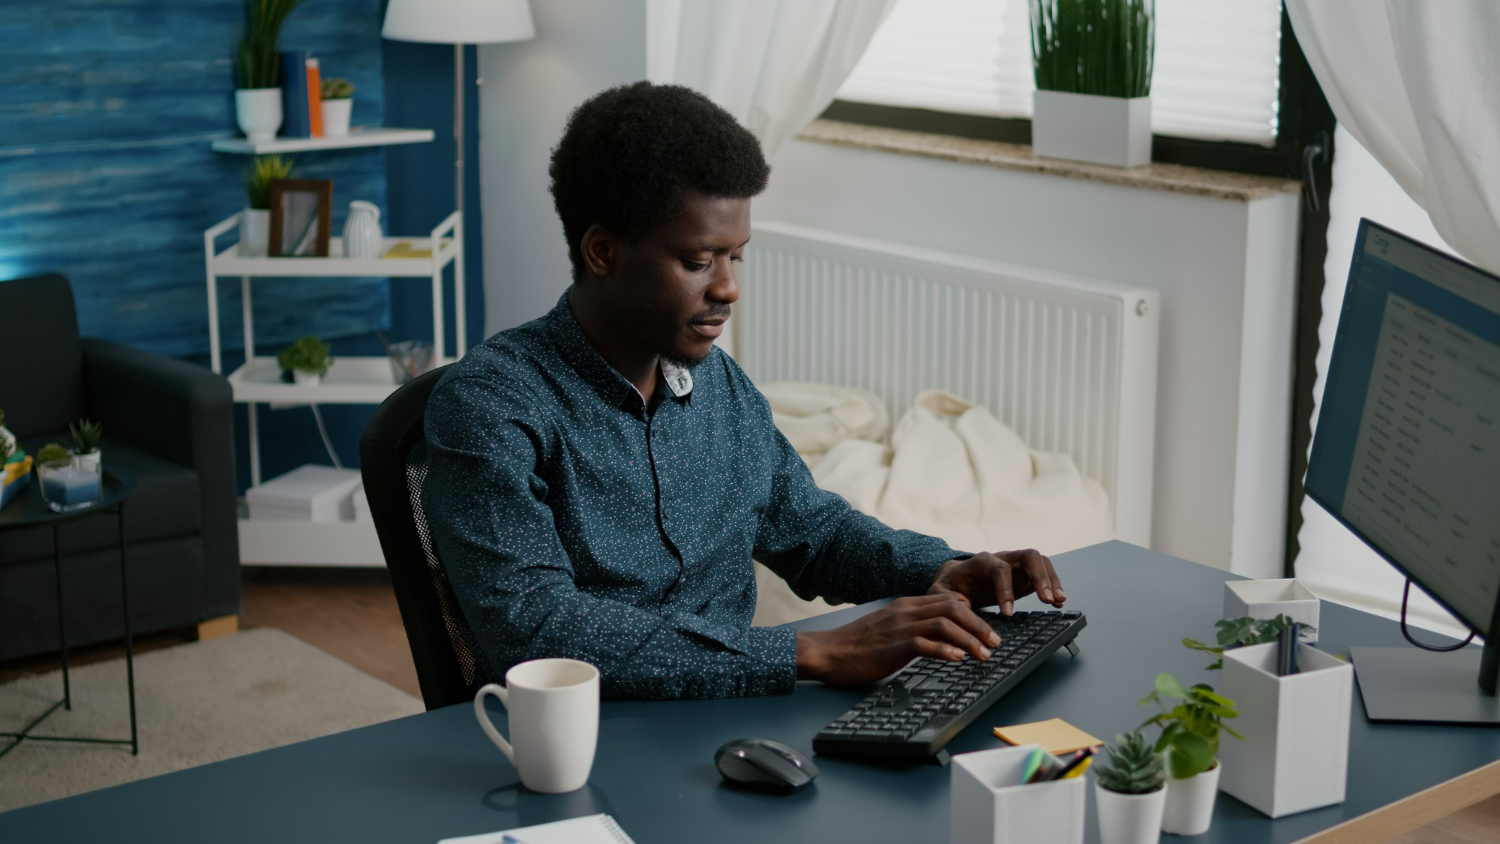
(1093, 61)
(257, 69)
(255, 220)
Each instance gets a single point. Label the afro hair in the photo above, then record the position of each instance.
(629, 153)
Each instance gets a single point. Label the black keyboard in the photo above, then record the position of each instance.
(930, 701)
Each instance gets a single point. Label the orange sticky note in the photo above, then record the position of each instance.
(1054, 735)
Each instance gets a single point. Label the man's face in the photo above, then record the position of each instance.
(672, 290)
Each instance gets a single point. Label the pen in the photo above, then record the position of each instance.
(1078, 769)
(507, 838)
(1296, 637)
(1034, 766)
(1075, 765)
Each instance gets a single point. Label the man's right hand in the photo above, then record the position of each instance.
(941, 626)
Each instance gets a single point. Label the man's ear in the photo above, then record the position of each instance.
(601, 251)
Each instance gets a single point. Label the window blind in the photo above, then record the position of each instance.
(1216, 77)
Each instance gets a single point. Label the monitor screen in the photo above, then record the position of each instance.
(1407, 451)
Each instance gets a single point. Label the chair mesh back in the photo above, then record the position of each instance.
(458, 632)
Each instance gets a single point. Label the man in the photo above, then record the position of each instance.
(602, 477)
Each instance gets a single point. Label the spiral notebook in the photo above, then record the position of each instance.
(594, 829)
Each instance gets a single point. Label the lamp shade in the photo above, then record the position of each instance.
(458, 21)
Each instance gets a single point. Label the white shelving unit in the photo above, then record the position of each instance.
(374, 136)
(350, 380)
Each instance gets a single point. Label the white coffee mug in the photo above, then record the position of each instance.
(554, 722)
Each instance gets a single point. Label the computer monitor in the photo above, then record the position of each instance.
(1407, 455)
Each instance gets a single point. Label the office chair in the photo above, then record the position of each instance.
(393, 461)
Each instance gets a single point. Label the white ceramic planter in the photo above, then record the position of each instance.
(1189, 805)
(303, 378)
(255, 232)
(258, 112)
(336, 117)
(1084, 127)
(1295, 755)
(1129, 818)
(90, 460)
(991, 806)
(1270, 598)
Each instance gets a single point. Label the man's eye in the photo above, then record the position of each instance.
(695, 267)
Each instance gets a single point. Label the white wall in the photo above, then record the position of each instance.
(582, 47)
(1226, 273)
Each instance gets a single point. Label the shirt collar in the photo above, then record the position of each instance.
(613, 387)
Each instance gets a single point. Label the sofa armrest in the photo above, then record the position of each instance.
(183, 413)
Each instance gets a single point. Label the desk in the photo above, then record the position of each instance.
(435, 775)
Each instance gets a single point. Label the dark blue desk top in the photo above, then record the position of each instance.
(435, 775)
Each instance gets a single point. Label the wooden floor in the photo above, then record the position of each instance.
(351, 614)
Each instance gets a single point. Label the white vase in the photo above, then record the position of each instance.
(303, 378)
(336, 117)
(1190, 803)
(258, 111)
(362, 230)
(1084, 127)
(1129, 818)
(255, 232)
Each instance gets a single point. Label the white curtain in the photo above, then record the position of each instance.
(1415, 83)
(773, 64)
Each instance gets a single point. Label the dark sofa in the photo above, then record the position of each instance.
(168, 422)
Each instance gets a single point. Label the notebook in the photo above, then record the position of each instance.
(594, 829)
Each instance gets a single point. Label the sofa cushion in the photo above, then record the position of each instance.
(42, 379)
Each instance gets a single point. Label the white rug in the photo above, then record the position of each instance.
(195, 703)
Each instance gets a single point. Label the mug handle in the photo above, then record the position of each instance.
(485, 724)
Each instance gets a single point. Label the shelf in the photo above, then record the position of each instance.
(373, 136)
(230, 262)
(296, 543)
(350, 380)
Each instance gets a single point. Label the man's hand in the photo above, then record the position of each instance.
(936, 625)
(985, 579)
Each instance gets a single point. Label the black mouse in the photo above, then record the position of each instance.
(764, 765)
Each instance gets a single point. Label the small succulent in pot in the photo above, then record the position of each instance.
(1134, 766)
(337, 88)
(86, 434)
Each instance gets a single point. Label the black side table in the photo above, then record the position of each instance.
(29, 510)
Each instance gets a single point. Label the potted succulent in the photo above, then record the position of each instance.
(1093, 62)
(1130, 791)
(308, 360)
(255, 220)
(1190, 738)
(257, 69)
(86, 435)
(337, 105)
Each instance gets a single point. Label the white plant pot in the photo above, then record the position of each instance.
(1270, 598)
(303, 378)
(989, 805)
(255, 232)
(258, 111)
(90, 460)
(1084, 127)
(336, 117)
(1189, 805)
(1129, 818)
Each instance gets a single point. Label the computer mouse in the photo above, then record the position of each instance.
(764, 765)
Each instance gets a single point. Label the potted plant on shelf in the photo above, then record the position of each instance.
(337, 105)
(255, 220)
(257, 69)
(1190, 738)
(308, 360)
(1130, 791)
(86, 435)
(1093, 63)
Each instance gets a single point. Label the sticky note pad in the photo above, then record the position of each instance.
(1054, 735)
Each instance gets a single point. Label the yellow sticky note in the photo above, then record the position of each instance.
(1054, 735)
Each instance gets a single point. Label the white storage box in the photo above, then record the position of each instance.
(309, 493)
(991, 806)
(1270, 598)
(1295, 755)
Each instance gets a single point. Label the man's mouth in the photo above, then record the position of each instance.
(710, 326)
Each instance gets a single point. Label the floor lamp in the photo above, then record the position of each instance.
(458, 22)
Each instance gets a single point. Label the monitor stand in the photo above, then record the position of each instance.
(1407, 684)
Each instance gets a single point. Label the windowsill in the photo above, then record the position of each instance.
(1216, 184)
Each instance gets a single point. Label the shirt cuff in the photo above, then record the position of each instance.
(917, 578)
(773, 651)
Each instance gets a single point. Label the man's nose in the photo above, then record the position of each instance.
(726, 283)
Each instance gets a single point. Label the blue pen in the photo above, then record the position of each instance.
(507, 838)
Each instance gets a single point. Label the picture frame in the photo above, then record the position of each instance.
(300, 218)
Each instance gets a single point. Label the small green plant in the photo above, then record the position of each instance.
(1134, 766)
(53, 451)
(1239, 632)
(337, 88)
(257, 63)
(86, 435)
(1102, 47)
(308, 354)
(1190, 729)
(264, 170)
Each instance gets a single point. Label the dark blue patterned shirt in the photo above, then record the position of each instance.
(573, 523)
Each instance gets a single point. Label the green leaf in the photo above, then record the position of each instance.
(1192, 754)
(1169, 686)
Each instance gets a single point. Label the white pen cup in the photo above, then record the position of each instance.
(553, 707)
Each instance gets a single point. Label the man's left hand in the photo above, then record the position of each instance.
(1000, 578)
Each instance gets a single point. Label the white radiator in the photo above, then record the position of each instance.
(1068, 362)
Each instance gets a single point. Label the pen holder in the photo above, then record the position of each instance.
(1270, 598)
(991, 806)
(1295, 755)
